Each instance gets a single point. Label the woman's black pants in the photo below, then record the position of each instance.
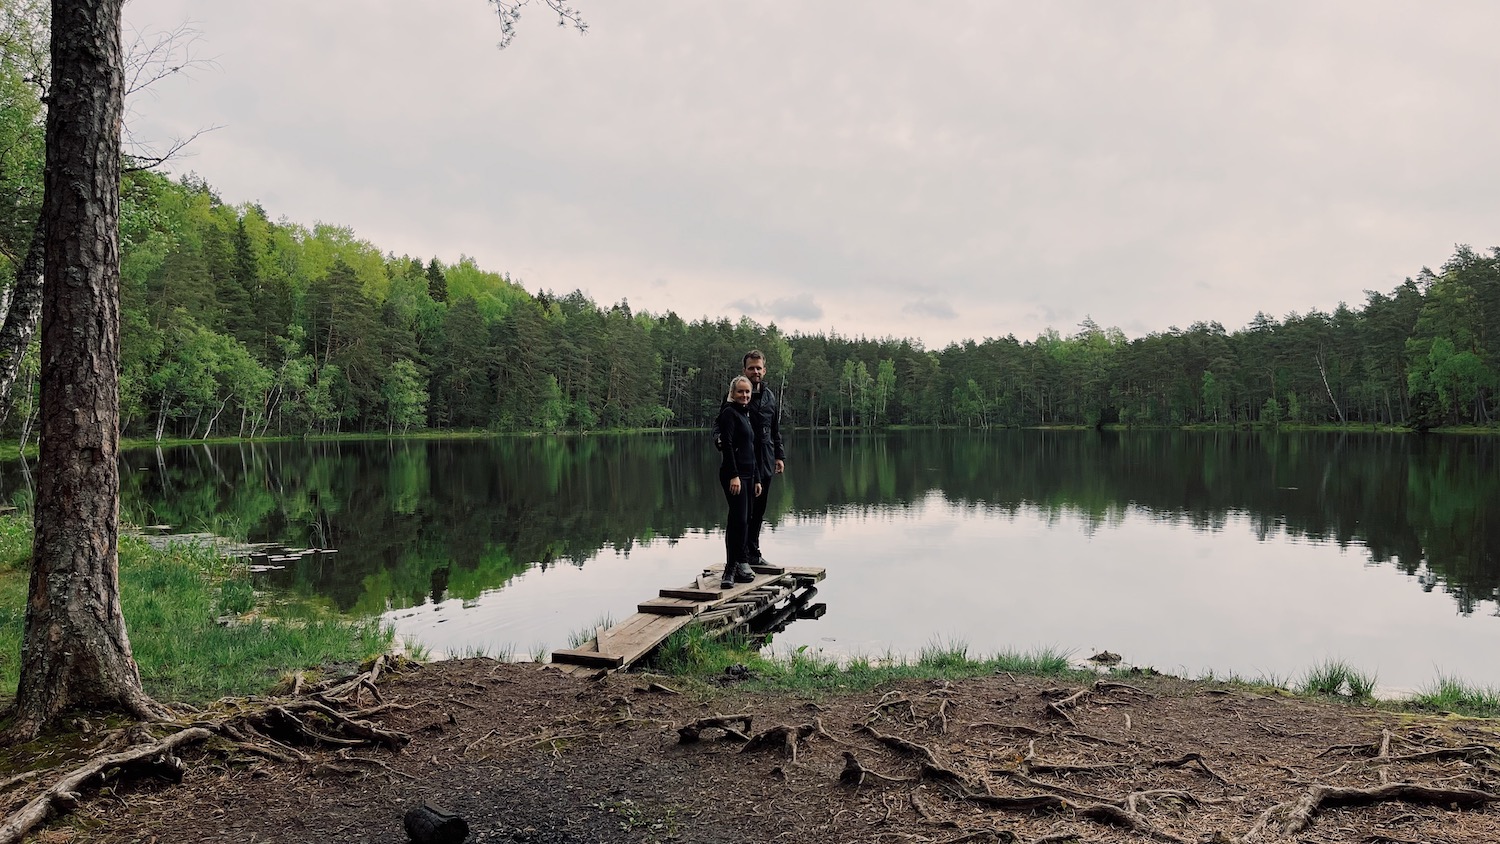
(736, 526)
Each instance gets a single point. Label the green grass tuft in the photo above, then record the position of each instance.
(414, 649)
(1449, 694)
(579, 638)
(692, 652)
(1335, 678)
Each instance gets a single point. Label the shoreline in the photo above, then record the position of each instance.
(10, 452)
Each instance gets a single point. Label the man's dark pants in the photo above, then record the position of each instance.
(757, 517)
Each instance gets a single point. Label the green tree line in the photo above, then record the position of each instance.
(235, 324)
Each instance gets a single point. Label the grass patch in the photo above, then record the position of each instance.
(503, 653)
(692, 653)
(1335, 678)
(172, 600)
(579, 638)
(1449, 694)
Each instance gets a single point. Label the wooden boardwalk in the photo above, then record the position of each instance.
(675, 608)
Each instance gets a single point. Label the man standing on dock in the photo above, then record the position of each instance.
(770, 456)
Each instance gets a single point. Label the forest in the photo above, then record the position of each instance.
(238, 325)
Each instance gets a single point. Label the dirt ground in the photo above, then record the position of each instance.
(527, 754)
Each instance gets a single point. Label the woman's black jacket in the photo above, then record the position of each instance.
(736, 441)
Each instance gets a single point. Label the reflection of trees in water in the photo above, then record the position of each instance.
(458, 517)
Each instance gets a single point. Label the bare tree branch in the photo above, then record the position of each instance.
(509, 12)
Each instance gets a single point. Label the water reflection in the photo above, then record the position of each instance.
(439, 525)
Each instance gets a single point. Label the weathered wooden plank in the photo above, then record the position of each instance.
(671, 606)
(591, 658)
(805, 572)
(657, 618)
(697, 593)
(643, 639)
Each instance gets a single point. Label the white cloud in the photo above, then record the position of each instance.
(1150, 164)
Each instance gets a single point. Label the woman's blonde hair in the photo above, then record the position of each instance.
(729, 396)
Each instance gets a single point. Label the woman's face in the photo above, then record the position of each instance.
(741, 393)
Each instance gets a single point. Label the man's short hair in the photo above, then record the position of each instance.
(753, 354)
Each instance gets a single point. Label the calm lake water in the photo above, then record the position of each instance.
(1259, 554)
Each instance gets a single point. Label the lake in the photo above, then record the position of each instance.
(1259, 554)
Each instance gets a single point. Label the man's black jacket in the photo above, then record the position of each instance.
(765, 418)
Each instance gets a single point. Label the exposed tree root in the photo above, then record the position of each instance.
(735, 726)
(1059, 708)
(1190, 759)
(903, 745)
(854, 774)
(258, 728)
(785, 737)
(1296, 815)
(1018, 729)
(1106, 813)
(64, 795)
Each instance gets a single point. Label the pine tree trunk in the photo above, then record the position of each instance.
(75, 653)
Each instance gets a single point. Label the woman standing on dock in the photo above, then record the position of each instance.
(735, 438)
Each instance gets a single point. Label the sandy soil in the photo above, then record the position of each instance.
(527, 754)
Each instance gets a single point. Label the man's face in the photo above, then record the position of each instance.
(755, 370)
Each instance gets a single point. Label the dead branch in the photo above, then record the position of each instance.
(64, 794)
(689, 733)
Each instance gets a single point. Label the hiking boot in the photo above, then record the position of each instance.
(757, 560)
(726, 581)
(743, 573)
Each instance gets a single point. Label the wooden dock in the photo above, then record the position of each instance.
(773, 591)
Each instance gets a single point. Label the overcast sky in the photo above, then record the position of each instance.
(937, 170)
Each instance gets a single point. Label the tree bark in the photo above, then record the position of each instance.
(22, 311)
(75, 653)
